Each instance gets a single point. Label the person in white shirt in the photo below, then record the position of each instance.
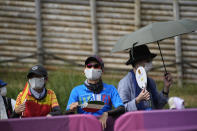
(6, 104)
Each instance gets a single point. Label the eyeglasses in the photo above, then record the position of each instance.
(95, 66)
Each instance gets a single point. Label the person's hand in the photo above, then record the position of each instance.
(73, 106)
(103, 120)
(167, 82)
(144, 95)
(20, 108)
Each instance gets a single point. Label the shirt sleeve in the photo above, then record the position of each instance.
(127, 94)
(54, 100)
(116, 101)
(73, 98)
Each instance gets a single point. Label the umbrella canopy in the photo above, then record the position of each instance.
(155, 32)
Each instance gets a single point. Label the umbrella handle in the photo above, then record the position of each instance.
(131, 51)
(162, 59)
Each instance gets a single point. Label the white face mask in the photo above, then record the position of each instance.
(93, 74)
(148, 66)
(3, 91)
(36, 83)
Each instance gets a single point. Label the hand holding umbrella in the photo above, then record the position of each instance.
(167, 83)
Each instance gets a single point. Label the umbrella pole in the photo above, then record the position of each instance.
(162, 58)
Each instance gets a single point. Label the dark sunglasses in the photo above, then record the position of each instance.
(95, 66)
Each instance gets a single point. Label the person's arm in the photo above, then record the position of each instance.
(15, 115)
(55, 108)
(127, 93)
(114, 113)
(144, 95)
(55, 111)
(72, 108)
(103, 120)
(167, 83)
(117, 111)
(19, 107)
(69, 112)
(72, 103)
(117, 103)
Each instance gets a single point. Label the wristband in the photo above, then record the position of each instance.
(165, 93)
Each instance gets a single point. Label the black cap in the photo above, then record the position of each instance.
(139, 53)
(39, 70)
(95, 58)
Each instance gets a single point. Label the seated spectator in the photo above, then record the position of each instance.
(6, 104)
(36, 99)
(131, 94)
(94, 89)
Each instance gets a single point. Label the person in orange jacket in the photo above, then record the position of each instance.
(39, 101)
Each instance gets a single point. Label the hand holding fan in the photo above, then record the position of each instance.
(141, 77)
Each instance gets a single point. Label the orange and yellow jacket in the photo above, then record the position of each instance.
(34, 107)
